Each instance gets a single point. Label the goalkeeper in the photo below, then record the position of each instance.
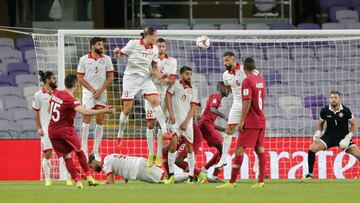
(337, 118)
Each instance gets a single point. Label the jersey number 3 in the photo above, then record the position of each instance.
(55, 113)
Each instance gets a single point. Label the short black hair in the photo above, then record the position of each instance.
(160, 39)
(249, 64)
(148, 31)
(45, 75)
(335, 92)
(220, 83)
(229, 53)
(94, 40)
(70, 81)
(185, 68)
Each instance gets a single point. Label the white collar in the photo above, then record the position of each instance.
(340, 108)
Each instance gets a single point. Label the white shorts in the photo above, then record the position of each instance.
(234, 114)
(152, 174)
(188, 134)
(45, 142)
(132, 84)
(89, 102)
(150, 113)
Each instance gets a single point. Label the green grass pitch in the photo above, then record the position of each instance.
(275, 191)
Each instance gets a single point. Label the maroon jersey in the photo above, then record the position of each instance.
(253, 88)
(208, 117)
(62, 110)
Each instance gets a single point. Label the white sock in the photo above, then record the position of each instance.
(150, 140)
(84, 137)
(46, 164)
(226, 146)
(191, 161)
(160, 143)
(99, 131)
(123, 121)
(159, 114)
(171, 161)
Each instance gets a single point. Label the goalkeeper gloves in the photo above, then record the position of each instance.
(316, 137)
(344, 143)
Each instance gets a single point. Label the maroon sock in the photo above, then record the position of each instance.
(262, 163)
(197, 171)
(165, 160)
(213, 160)
(70, 166)
(236, 168)
(83, 162)
(216, 172)
(183, 165)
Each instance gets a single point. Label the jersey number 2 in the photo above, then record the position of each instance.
(55, 113)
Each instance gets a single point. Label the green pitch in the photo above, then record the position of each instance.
(319, 191)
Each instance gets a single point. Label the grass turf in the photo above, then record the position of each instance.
(276, 191)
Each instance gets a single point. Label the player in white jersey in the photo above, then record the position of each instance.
(127, 167)
(40, 106)
(141, 68)
(233, 78)
(181, 102)
(167, 66)
(95, 72)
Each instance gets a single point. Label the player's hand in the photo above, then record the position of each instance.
(97, 93)
(171, 119)
(344, 143)
(184, 125)
(110, 110)
(117, 52)
(241, 125)
(40, 132)
(316, 137)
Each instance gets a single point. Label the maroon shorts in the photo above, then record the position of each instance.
(251, 138)
(196, 144)
(64, 141)
(211, 135)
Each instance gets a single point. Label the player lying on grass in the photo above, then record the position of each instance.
(62, 133)
(129, 168)
(337, 118)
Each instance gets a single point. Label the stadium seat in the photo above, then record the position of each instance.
(333, 10)
(15, 104)
(30, 54)
(204, 26)
(10, 91)
(6, 80)
(7, 42)
(24, 42)
(5, 116)
(178, 27)
(12, 54)
(277, 52)
(257, 26)
(347, 14)
(282, 26)
(290, 102)
(28, 129)
(18, 68)
(308, 26)
(9, 130)
(18, 115)
(26, 79)
(352, 25)
(231, 26)
(332, 26)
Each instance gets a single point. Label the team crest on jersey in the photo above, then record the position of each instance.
(102, 61)
(190, 91)
(167, 63)
(341, 115)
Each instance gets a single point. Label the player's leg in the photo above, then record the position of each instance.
(171, 159)
(99, 132)
(150, 174)
(181, 163)
(353, 150)
(70, 166)
(314, 147)
(189, 140)
(150, 141)
(88, 102)
(46, 165)
(158, 159)
(259, 150)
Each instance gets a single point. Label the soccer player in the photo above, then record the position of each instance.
(167, 66)
(95, 73)
(129, 168)
(62, 134)
(40, 106)
(141, 68)
(181, 103)
(208, 128)
(252, 124)
(337, 133)
(233, 78)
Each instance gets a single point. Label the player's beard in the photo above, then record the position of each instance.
(98, 51)
(228, 67)
(334, 105)
(188, 81)
(53, 85)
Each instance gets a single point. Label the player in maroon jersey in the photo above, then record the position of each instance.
(209, 129)
(252, 124)
(62, 134)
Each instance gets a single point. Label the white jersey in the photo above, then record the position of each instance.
(122, 165)
(140, 58)
(94, 70)
(168, 66)
(183, 96)
(235, 80)
(41, 103)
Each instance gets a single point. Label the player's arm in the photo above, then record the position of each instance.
(216, 111)
(108, 81)
(169, 107)
(244, 111)
(189, 116)
(125, 51)
(90, 112)
(354, 125)
(85, 83)
(38, 123)
(219, 128)
(344, 143)
(319, 126)
(110, 179)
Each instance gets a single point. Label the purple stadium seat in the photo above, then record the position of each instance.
(204, 26)
(282, 26)
(6, 80)
(5, 116)
(25, 42)
(325, 4)
(308, 26)
(257, 26)
(28, 79)
(272, 79)
(21, 114)
(333, 10)
(11, 54)
(315, 102)
(231, 26)
(10, 91)
(332, 26)
(11, 104)
(18, 68)
(9, 130)
(24, 50)
(6, 42)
